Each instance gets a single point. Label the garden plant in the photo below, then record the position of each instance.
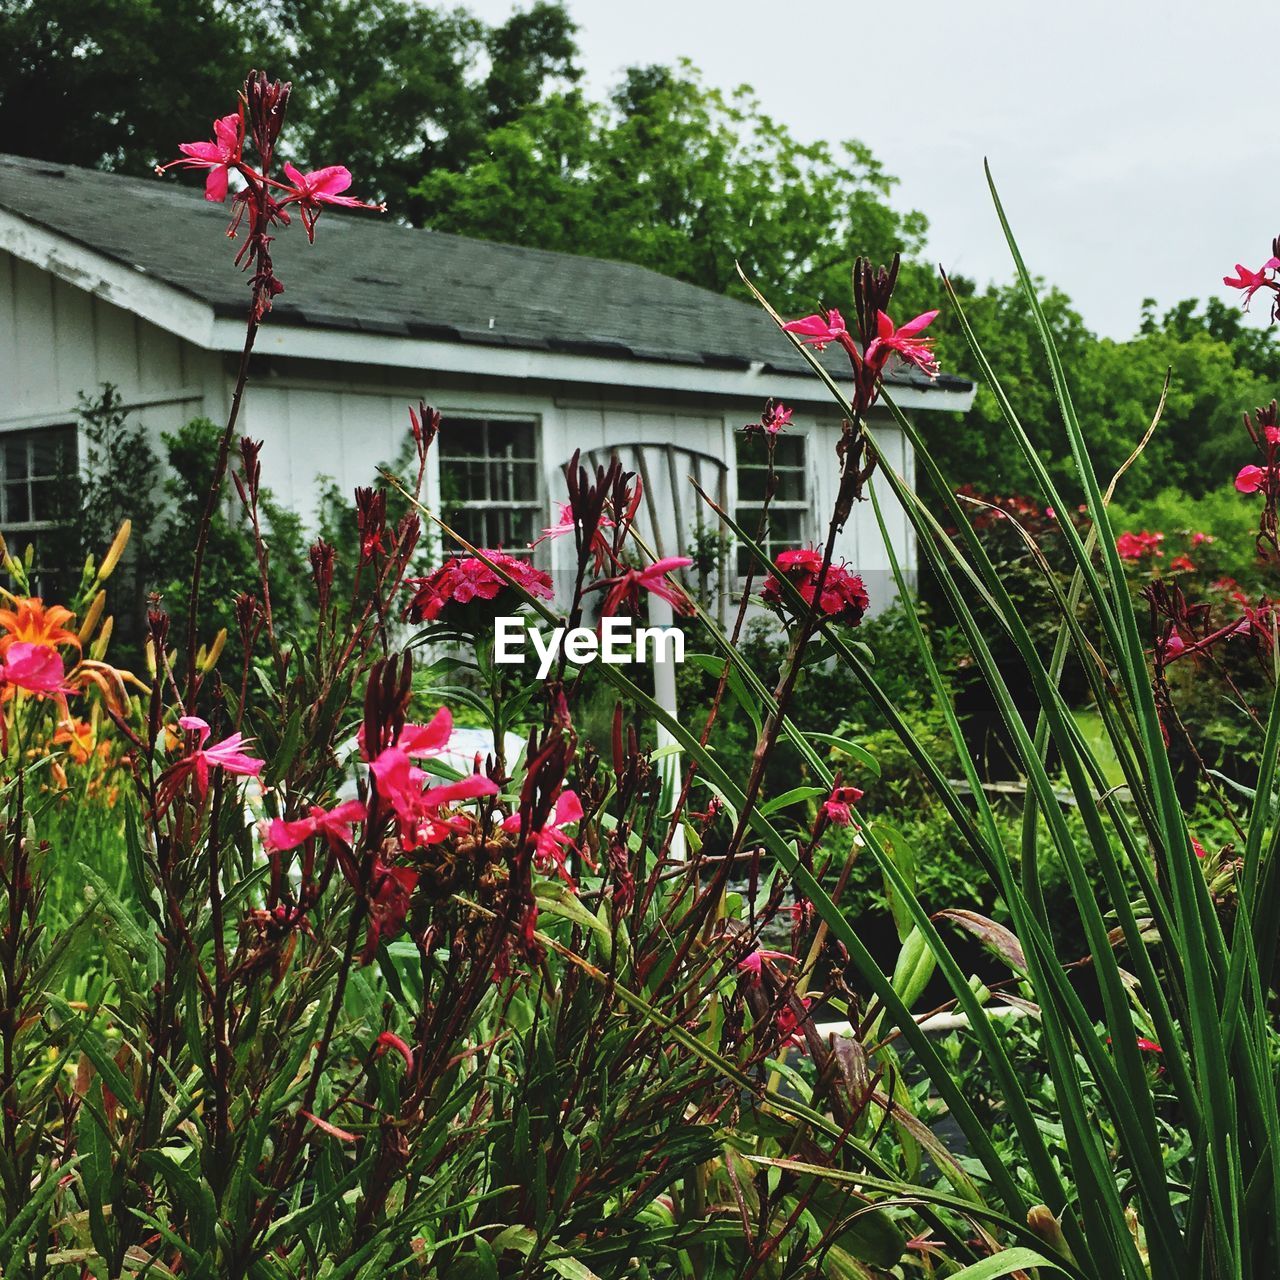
(290, 989)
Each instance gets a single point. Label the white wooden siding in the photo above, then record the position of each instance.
(340, 422)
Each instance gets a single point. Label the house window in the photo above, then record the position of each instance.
(36, 468)
(490, 490)
(789, 510)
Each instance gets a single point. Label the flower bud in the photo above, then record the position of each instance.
(99, 649)
(115, 551)
(206, 661)
(92, 618)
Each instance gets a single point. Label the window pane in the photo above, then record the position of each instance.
(751, 484)
(512, 439)
(50, 453)
(16, 508)
(790, 486)
(15, 456)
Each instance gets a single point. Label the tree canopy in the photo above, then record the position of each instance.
(480, 129)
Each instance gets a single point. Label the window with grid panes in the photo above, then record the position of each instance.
(490, 481)
(36, 468)
(789, 510)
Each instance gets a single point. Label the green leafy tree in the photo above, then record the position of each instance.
(388, 87)
(681, 177)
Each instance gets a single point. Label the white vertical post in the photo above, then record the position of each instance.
(664, 693)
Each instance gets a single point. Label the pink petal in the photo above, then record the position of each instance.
(294, 176)
(918, 325)
(205, 152)
(427, 739)
(196, 725)
(1250, 479)
(568, 808)
(330, 180)
(227, 131)
(215, 185)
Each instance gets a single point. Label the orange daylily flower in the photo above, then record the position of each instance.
(77, 736)
(33, 622)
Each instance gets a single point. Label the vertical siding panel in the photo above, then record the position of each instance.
(72, 339)
(115, 345)
(35, 370)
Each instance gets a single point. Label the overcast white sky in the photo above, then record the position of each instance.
(1134, 142)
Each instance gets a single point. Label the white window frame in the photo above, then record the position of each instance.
(751, 455)
(19, 533)
(453, 425)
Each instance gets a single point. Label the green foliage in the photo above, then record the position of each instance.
(682, 178)
(387, 87)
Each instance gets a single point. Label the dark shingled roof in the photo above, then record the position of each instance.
(368, 274)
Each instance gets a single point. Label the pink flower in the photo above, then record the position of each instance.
(226, 755)
(626, 588)
(333, 824)
(816, 332)
(775, 418)
(1173, 647)
(1148, 1046)
(1133, 546)
(34, 667)
(1182, 564)
(753, 961)
(1198, 849)
(419, 808)
(565, 523)
(1251, 281)
(218, 156)
(321, 187)
(1250, 478)
(788, 1024)
(551, 841)
(844, 595)
(464, 579)
(1199, 539)
(904, 343)
(419, 739)
(837, 806)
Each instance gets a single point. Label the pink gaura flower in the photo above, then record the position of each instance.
(1251, 478)
(838, 805)
(816, 331)
(625, 589)
(334, 825)
(1251, 281)
(218, 156)
(774, 418)
(312, 191)
(227, 755)
(904, 343)
(552, 841)
(420, 809)
(753, 961)
(37, 668)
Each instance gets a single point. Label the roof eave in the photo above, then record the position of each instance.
(196, 321)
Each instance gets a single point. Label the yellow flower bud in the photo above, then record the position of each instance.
(104, 637)
(92, 617)
(150, 650)
(115, 551)
(207, 661)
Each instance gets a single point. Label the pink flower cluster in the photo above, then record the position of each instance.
(844, 598)
(464, 579)
(1139, 546)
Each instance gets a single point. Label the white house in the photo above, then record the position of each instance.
(529, 355)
